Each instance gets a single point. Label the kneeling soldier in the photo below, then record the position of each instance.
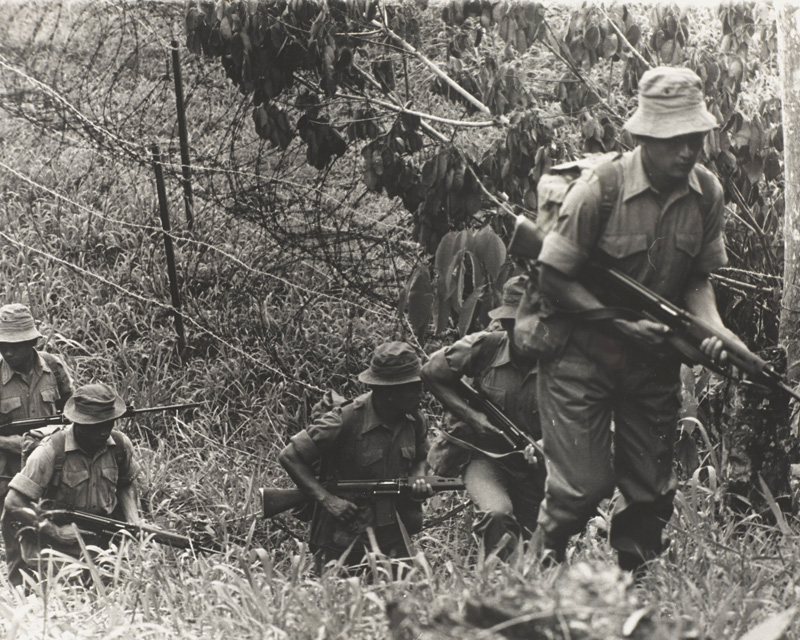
(377, 436)
(86, 466)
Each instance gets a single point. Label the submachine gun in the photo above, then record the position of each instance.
(18, 427)
(275, 501)
(687, 331)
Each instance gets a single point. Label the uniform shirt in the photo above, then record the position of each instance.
(42, 392)
(352, 443)
(659, 246)
(88, 482)
(486, 357)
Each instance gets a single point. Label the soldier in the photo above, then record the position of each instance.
(87, 466)
(33, 384)
(379, 435)
(664, 229)
(506, 489)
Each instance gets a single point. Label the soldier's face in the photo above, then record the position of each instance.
(18, 355)
(674, 157)
(92, 437)
(404, 398)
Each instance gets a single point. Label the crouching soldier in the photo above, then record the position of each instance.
(85, 466)
(378, 435)
(506, 488)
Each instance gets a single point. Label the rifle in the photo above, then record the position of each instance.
(687, 331)
(18, 427)
(102, 526)
(515, 436)
(275, 501)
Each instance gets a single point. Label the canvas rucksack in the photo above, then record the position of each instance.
(58, 436)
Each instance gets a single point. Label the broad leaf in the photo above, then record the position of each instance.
(490, 251)
(467, 313)
(420, 300)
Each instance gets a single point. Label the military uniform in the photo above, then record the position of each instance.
(352, 443)
(506, 491)
(40, 393)
(661, 242)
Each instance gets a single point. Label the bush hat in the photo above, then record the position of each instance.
(392, 363)
(512, 294)
(93, 404)
(16, 324)
(671, 104)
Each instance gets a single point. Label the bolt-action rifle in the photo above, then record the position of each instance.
(106, 527)
(18, 427)
(687, 331)
(275, 501)
(516, 437)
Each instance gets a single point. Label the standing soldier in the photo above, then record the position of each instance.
(379, 435)
(86, 466)
(663, 228)
(33, 384)
(506, 489)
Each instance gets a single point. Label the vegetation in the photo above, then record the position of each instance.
(293, 270)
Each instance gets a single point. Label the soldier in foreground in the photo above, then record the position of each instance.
(378, 435)
(33, 383)
(506, 488)
(87, 466)
(662, 227)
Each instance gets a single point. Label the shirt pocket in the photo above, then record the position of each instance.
(409, 452)
(495, 394)
(7, 405)
(50, 395)
(74, 477)
(369, 457)
(688, 243)
(623, 245)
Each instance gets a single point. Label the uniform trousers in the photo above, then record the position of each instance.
(599, 377)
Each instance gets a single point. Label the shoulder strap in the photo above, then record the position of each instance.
(609, 175)
(59, 442)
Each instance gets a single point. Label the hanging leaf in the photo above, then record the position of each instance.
(467, 312)
(420, 300)
(490, 251)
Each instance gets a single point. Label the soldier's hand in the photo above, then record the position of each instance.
(714, 348)
(339, 507)
(420, 489)
(531, 456)
(647, 331)
(64, 534)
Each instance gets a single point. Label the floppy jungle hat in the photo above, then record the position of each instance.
(16, 324)
(671, 104)
(93, 404)
(392, 363)
(512, 294)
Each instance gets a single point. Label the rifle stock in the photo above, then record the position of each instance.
(18, 427)
(275, 501)
(688, 331)
(102, 525)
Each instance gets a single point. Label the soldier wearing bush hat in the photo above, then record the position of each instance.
(661, 223)
(379, 435)
(33, 384)
(506, 489)
(87, 466)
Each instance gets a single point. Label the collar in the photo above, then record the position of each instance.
(370, 419)
(636, 179)
(70, 444)
(39, 366)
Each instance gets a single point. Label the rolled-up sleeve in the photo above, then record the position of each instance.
(471, 355)
(713, 254)
(567, 247)
(35, 476)
(319, 437)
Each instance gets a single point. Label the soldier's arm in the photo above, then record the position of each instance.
(701, 301)
(128, 499)
(20, 508)
(442, 382)
(303, 476)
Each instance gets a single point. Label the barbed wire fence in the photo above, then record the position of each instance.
(93, 83)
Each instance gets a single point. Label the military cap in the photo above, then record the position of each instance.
(93, 404)
(16, 324)
(392, 363)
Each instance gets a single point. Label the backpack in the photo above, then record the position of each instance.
(58, 436)
(540, 331)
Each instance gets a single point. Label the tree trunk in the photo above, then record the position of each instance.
(789, 66)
